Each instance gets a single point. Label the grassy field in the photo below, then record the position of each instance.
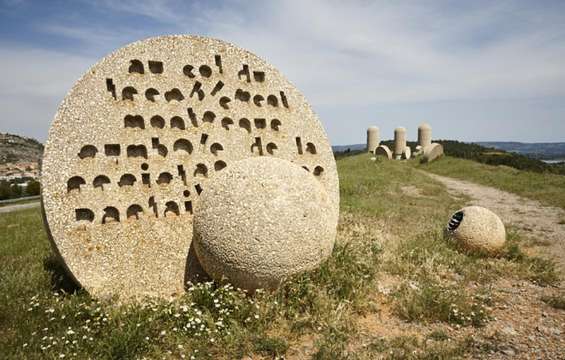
(390, 261)
(547, 188)
(18, 202)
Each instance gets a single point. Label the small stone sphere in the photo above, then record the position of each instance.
(477, 229)
(262, 220)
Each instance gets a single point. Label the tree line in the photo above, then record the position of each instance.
(14, 190)
(482, 154)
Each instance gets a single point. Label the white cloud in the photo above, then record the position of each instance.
(32, 83)
(37, 72)
(341, 52)
(342, 55)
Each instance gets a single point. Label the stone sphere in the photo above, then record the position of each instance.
(263, 220)
(477, 229)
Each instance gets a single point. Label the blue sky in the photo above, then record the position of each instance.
(475, 70)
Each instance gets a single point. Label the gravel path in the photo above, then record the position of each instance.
(539, 222)
(15, 207)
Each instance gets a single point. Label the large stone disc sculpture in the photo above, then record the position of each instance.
(138, 138)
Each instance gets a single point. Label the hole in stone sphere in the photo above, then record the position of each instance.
(455, 221)
(186, 193)
(144, 166)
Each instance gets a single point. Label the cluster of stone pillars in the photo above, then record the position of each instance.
(401, 151)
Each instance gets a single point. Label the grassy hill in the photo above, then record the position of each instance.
(555, 150)
(393, 288)
(471, 151)
(545, 187)
(14, 148)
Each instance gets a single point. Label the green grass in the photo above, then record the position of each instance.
(555, 301)
(383, 231)
(546, 188)
(20, 202)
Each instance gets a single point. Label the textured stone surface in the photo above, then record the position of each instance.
(476, 228)
(399, 142)
(138, 138)
(261, 221)
(432, 152)
(373, 138)
(384, 151)
(424, 135)
(407, 154)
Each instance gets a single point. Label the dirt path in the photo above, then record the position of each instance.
(15, 207)
(538, 222)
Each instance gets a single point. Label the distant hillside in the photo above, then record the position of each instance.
(473, 151)
(14, 148)
(343, 148)
(544, 151)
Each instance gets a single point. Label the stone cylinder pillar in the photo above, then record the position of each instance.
(399, 142)
(424, 135)
(373, 138)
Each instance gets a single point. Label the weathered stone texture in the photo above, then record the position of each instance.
(373, 138)
(136, 141)
(384, 151)
(432, 152)
(476, 228)
(263, 220)
(399, 142)
(424, 135)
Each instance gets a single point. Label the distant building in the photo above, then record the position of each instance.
(14, 172)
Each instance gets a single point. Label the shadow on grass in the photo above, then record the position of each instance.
(60, 279)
